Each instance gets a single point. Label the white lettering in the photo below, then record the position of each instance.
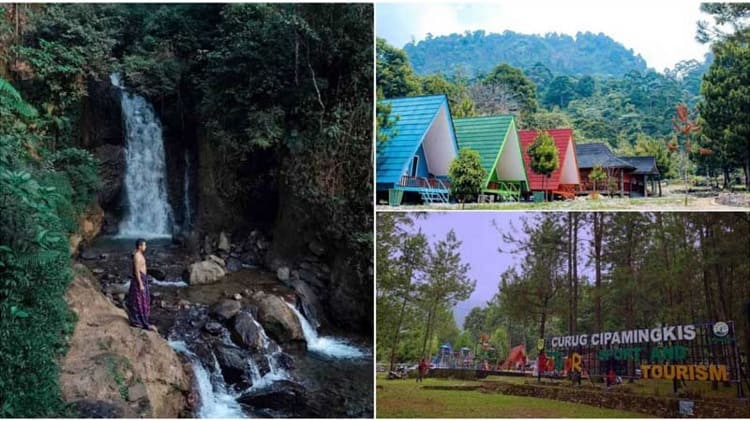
(689, 332)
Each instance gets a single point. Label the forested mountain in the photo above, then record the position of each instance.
(476, 53)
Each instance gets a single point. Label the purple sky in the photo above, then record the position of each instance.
(480, 241)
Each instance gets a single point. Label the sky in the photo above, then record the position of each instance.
(480, 243)
(662, 32)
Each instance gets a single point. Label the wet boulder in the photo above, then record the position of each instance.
(213, 328)
(224, 310)
(245, 331)
(205, 272)
(309, 303)
(233, 364)
(224, 244)
(278, 319)
(233, 265)
(282, 395)
(157, 274)
(285, 361)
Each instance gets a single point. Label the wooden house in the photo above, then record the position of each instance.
(495, 138)
(412, 164)
(625, 175)
(645, 171)
(563, 181)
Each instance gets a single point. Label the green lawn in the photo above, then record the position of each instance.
(407, 399)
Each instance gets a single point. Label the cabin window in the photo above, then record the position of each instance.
(414, 166)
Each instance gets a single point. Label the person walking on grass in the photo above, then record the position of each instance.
(421, 370)
(139, 301)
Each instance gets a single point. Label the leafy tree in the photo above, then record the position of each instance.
(540, 75)
(585, 86)
(395, 76)
(467, 175)
(474, 323)
(560, 91)
(446, 283)
(596, 175)
(735, 15)
(725, 109)
(36, 218)
(531, 292)
(458, 97)
(506, 78)
(543, 154)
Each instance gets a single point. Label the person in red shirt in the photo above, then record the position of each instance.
(421, 370)
(541, 365)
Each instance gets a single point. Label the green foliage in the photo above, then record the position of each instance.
(543, 154)
(478, 52)
(80, 167)
(725, 109)
(36, 216)
(11, 102)
(466, 175)
(561, 91)
(395, 76)
(505, 78)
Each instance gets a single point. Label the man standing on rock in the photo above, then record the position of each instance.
(139, 300)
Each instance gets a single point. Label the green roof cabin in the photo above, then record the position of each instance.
(496, 140)
(412, 165)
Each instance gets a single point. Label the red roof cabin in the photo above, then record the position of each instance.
(563, 181)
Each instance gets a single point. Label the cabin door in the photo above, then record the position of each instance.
(414, 166)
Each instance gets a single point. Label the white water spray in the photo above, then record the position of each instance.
(325, 345)
(270, 350)
(216, 402)
(149, 213)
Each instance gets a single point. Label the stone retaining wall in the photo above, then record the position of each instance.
(663, 407)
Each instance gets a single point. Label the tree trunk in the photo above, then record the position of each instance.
(659, 187)
(396, 335)
(575, 272)
(570, 272)
(598, 221)
(427, 330)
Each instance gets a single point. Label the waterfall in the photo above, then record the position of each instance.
(148, 213)
(186, 197)
(216, 402)
(270, 351)
(325, 345)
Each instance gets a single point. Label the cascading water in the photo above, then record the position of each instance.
(325, 345)
(270, 352)
(149, 213)
(216, 402)
(186, 197)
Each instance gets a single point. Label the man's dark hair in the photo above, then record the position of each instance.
(139, 241)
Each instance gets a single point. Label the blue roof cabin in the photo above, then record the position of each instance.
(415, 160)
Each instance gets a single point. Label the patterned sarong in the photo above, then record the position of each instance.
(139, 303)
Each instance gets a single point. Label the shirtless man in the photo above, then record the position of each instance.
(139, 299)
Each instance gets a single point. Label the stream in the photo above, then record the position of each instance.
(331, 378)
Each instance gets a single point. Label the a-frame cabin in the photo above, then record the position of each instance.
(495, 138)
(563, 181)
(413, 163)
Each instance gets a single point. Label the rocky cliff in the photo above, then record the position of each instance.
(114, 370)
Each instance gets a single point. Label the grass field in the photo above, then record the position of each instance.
(407, 399)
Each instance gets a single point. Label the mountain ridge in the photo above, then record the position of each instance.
(475, 53)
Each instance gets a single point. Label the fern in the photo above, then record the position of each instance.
(11, 100)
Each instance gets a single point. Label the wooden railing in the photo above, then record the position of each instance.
(424, 182)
